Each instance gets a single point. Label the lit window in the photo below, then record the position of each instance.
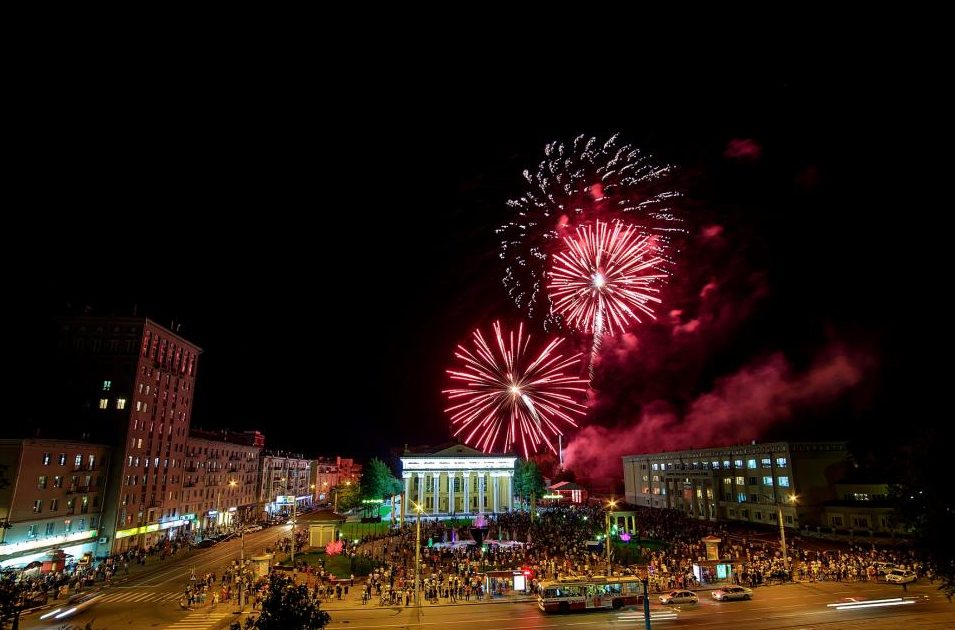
(120, 403)
(78, 461)
(57, 481)
(782, 462)
(741, 497)
(751, 463)
(783, 482)
(62, 459)
(726, 463)
(46, 459)
(728, 481)
(139, 442)
(103, 403)
(139, 405)
(67, 525)
(107, 385)
(54, 505)
(767, 481)
(41, 482)
(738, 463)
(740, 481)
(37, 506)
(91, 460)
(767, 462)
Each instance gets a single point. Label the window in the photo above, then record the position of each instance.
(739, 463)
(37, 506)
(766, 462)
(856, 496)
(54, 505)
(67, 525)
(783, 482)
(751, 464)
(91, 461)
(741, 497)
(759, 516)
(78, 461)
(741, 481)
(70, 505)
(107, 385)
(120, 403)
(767, 481)
(655, 467)
(716, 465)
(860, 521)
(726, 463)
(32, 531)
(46, 459)
(104, 403)
(781, 462)
(752, 481)
(754, 498)
(57, 481)
(728, 481)
(41, 482)
(49, 528)
(836, 520)
(139, 405)
(62, 459)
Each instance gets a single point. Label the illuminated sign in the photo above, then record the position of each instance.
(553, 496)
(372, 501)
(285, 499)
(25, 545)
(152, 527)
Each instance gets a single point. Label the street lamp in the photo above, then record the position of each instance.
(782, 530)
(417, 556)
(611, 505)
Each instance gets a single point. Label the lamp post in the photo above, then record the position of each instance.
(611, 505)
(294, 506)
(782, 531)
(417, 556)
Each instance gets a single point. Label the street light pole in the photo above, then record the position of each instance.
(294, 506)
(610, 505)
(417, 558)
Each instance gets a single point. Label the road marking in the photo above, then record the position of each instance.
(201, 619)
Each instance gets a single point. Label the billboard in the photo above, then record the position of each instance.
(285, 499)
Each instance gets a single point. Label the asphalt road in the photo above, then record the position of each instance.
(150, 598)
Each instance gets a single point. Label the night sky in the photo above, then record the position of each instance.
(328, 259)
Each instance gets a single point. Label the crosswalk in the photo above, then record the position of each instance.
(203, 619)
(140, 596)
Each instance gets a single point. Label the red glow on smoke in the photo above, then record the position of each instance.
(597, 191)
(738, 409)
(743, 149)
(712, 231)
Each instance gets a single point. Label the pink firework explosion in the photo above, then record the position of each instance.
(510, 396)
(606, 278)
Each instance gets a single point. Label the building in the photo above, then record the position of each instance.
(753, 483)
(284, 479)
(129, 383)
(567, 493)
(328, 473)
(221, 479)
(456, 479)
(53, 498)
(861, 506)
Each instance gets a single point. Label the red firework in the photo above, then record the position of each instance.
(605, 278)
(510, 396)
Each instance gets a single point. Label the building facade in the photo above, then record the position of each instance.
(284, 479)
(129, 383)
(753, 483)
(53, 498)
(457, 479)
(328, 473)
(221, 477)
(861, 507)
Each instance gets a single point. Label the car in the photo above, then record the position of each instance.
(883, 567)
(253, 528)
(727, 593)
(75, 604)
(679, 597)
(900, 576)
(208, 542)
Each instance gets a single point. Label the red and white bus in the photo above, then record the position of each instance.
(596, 593)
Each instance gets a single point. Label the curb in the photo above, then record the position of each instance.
(324, 605)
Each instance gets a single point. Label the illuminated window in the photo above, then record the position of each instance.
(767, 462)
(107, 385)
(716, 465)
(139, 442)
(738, 463)
(120, 403)
(767, 481)
(728, 481)
(54, 505)
(32, 531)
(858, 496)
(62, 459)
(67, 525)
(741, 481)
(103, 403)
(78, 461)
(41, 482)
(726, 463)
(741, 497)
(57, 481)
(751, 464)
(37, 506)
(783, 482)
(46, 459)
(782, 462)
(139, 405)
(91, 461)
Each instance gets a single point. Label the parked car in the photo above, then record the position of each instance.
(732, 592)
(900, 576)
(253, 528)
(208, 542)
(679, 597)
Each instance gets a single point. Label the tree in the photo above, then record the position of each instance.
(347, 496)
(528, 480)
(924, 506)
(378, 482)
(566, 474)
(287, 606)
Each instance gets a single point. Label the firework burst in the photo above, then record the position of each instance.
(510, 396)
(581, 181)
(605, 279)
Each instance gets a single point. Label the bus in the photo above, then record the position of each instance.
(595, 593)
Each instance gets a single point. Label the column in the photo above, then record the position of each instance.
(510, 490)
(451, 477)
(467, 491)
(421, 490)
(481, 492)
(436, 477)
(494, 484)
(405, 499)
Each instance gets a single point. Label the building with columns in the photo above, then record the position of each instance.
(457, 480)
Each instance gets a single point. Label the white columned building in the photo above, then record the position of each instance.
(463, 480)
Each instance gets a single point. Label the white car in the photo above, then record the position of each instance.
(679, 597)
(900, 576)
(253, 528)
(732, 592)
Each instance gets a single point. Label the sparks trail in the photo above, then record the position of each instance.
(510, 396)
(581, 181)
